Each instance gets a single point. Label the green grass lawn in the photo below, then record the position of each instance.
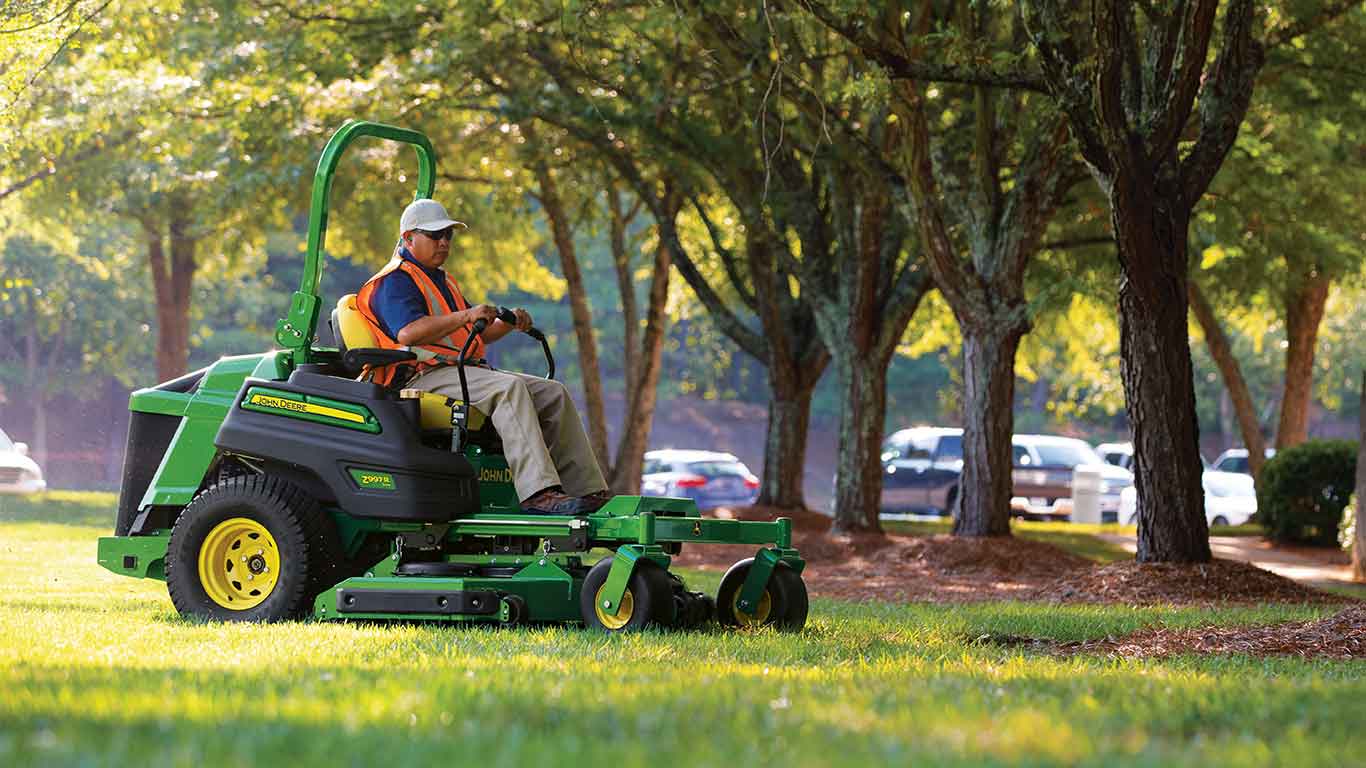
(97, 669)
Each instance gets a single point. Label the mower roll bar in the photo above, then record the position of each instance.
(294, 332)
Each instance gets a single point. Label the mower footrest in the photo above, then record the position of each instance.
(414, 601)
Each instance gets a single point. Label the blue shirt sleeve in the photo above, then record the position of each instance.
(396, 302)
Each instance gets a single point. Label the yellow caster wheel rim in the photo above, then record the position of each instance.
(622, 616)
(239, 564)
(761, 612)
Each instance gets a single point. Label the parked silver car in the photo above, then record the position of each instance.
(1235, 460)
(18, 472)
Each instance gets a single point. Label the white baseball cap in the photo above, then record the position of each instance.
(428, 215)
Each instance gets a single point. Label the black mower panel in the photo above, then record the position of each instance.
(362, 444)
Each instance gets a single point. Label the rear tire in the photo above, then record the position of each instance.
(246, 549)
(1219, 520)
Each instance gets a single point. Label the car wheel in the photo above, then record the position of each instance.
(1219, 520)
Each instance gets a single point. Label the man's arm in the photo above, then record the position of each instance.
(498, 329)
(430, 328)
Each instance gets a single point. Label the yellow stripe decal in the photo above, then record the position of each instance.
(298, 407)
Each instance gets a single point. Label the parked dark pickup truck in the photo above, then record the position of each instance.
(1042, 477)
(921, 467)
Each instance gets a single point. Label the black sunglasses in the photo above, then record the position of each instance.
(445, 234)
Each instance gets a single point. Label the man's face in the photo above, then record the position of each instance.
(429, 248)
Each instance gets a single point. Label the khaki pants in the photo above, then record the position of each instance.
(543, 438)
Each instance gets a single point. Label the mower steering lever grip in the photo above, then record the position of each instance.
(510, 317)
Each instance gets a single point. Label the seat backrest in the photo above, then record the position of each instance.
(350, 327)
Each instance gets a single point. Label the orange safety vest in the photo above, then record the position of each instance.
(447, 346)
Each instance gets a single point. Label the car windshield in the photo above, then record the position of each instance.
(1234, 464)
(718, 468)
(1066, 454)
(5, 443)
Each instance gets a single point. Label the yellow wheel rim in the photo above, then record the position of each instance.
(239, 564)
(625, 608)
(761, 613)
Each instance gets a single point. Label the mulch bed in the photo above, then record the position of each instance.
(1342, 636)
(1218, 581)
(946, 569)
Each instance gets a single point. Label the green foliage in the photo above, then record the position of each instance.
(99, 671)
(68, 318)
(1303, 490)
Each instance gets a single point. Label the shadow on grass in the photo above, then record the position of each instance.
(61, 508)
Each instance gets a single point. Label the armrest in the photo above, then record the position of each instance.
(355, 359)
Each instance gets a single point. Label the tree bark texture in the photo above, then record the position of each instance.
(989, 399)
(1132, 93)
(640, 410)
(986, 290)
(563, 234)
(173, 282)
(1304, 304)
(862, 317)
(1155, 365)
(789, 345)
(1359, 543)
(789, 414)
(1222, 352)
(621, 262)
(858, 470)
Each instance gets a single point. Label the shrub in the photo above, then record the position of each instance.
(1303, 490)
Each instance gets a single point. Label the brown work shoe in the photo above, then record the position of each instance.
(594, 501)
(552, 501)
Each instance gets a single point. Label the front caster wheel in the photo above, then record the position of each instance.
(783, 604)
(647, 601)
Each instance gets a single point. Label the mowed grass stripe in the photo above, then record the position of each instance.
(97, 669)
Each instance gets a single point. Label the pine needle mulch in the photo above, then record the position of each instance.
(1341, 636)
(948, 569)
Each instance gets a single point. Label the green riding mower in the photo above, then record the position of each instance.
(282, 485)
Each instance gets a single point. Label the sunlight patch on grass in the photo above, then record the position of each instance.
(99, 670)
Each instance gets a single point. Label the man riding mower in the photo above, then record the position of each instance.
(377, 479)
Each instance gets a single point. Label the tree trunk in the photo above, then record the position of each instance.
(789, 415)
(173, 283)
(858, 486)
(1303, 312)
(621, 261)
(563, 235)
(1222, 352)
(988, 421)
(1151, 225)
(640, 411)
(1359, 544)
